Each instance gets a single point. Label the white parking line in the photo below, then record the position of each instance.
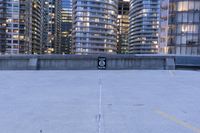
(100, 102)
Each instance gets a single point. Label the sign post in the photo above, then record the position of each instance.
(101, 63)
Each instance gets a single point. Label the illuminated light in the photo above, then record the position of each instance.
(9, 20)
(155, 42)
(110, 50)
(35, 6)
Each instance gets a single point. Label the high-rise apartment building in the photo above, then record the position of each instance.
(30, 27)
(184, 27)
(44, 26)
(144, 26)
(123, 27)
(20, 27)
(66, 26)
(53, 45)
(9, 27)
(94, 26)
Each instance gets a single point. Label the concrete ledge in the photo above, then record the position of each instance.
(187, 62)
(89, 62)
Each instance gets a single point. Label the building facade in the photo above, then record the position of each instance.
(44, 26)
(164, 27)
(94, 26)
(20, 27)
(35, 22)
(184, 27)
(123, 27)
(9, 27)
(53, 45)
(144, 26)
(66, 26)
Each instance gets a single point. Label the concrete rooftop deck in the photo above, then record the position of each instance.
(128, 101)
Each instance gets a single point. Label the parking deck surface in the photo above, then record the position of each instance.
(100, 101)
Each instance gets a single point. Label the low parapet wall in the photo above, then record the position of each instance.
(90, 62)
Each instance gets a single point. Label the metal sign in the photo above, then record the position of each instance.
(101, 62)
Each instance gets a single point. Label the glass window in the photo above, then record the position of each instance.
(196, 17)
(189, 38)
(183, 39)
(195, 29)
(185, 17)
(190, 17)
(191, 5)
(178, 40)
(197, 5)
(179, 17)
(195, 38)
(179, 29)
(188, 28)
(183, 6)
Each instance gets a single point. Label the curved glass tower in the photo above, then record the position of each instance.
(144, 26)
(94, 26)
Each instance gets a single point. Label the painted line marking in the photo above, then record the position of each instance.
(100, 102)
(177, 121)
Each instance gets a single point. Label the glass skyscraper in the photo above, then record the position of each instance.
(94, 26)
(66, 26)
(184, 27)
(144, 26)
